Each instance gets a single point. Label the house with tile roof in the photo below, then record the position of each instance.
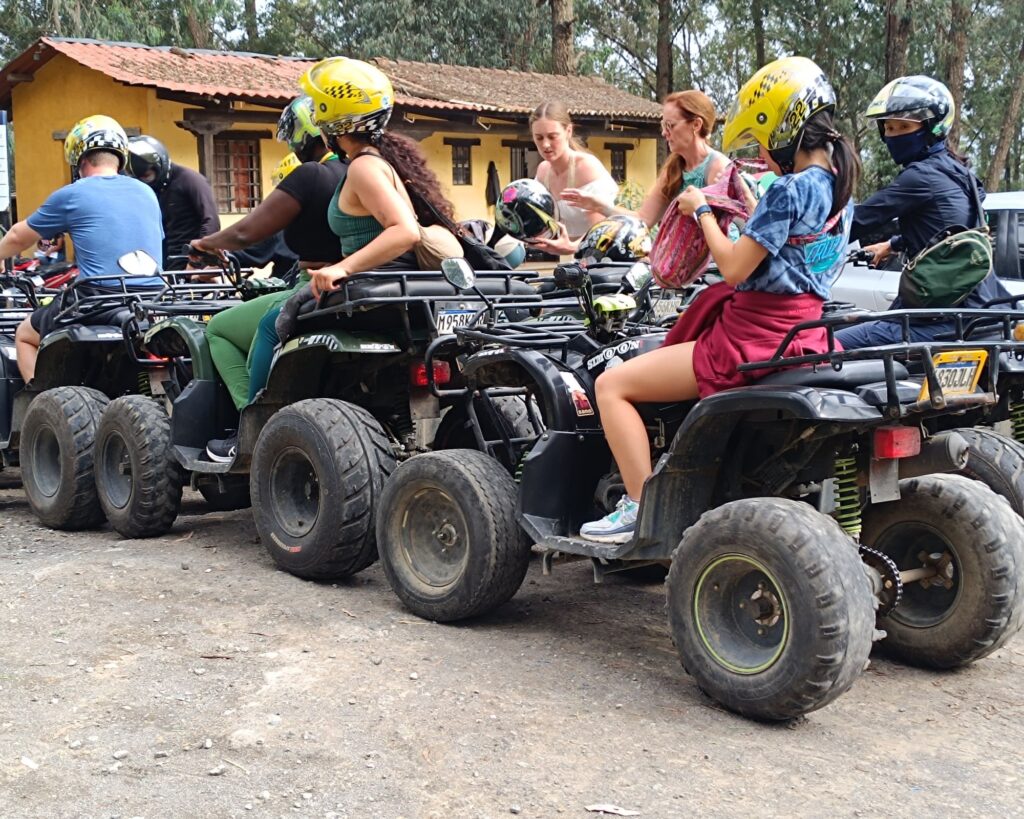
(216, 112)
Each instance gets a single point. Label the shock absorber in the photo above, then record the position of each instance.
(143, 383)
(1017, 420)
(847, 511)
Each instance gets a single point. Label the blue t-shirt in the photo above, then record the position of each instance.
(798, 205)
(107, 217)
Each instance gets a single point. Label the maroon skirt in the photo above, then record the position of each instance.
(733, 327)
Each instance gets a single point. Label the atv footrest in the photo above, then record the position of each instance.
(587, 548)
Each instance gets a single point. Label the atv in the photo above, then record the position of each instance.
(346, 397)
(54, 427)
(805, 517)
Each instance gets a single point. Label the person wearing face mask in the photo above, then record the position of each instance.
(567, 166)
(932, 192)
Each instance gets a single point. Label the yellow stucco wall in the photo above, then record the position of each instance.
(64, 92)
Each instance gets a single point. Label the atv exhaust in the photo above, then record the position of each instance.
(945, 452)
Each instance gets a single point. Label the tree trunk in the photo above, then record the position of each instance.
(1008, 130)
(899, 25)
(663, 51)
(960, 16)
(197, 29)
(757, 12)
(252, 32)
(563, 57)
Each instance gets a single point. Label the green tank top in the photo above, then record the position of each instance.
(355, 232)
(697, 177)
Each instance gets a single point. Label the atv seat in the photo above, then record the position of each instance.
(421, 288)
(854, 374)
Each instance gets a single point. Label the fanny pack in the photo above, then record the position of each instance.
(955, 261)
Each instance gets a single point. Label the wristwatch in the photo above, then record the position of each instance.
(700, 212)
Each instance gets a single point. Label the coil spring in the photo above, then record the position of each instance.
(1017, 420)
(143, 383)
(521, 463)
(847, 511)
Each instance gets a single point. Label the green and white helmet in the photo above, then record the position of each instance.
(296, 127)
(917, 99)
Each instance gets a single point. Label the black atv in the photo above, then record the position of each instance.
(345, 398)
(805, 517)
(54, 427)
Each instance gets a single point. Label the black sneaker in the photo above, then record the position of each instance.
(223, 450)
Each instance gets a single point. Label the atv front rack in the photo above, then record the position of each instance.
(965, 324)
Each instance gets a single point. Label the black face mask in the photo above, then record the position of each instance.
(907, 148)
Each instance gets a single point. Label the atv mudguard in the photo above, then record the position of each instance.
(10, 386)
(179, 337)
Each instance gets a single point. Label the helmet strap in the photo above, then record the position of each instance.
(785, 158)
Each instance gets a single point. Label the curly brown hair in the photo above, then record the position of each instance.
(404, 155)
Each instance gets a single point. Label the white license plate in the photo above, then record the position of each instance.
(448, 320)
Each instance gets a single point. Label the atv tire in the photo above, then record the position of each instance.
(980, 603)
(996, 461)
(448, 537)
(456, 431)
(317, 473)
(138, 479)
(227, 495)
(770, 607)
(57, 447)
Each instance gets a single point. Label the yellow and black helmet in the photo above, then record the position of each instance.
(284, 167)
(349, 96)
(619, 238)
(96, 133)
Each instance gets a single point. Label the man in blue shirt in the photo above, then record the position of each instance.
(107, 215)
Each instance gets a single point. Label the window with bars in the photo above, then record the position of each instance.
(618, 164)
(237, 175)
(517, 162)
(462, 168)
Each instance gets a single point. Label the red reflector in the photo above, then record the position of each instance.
(418, 373)
(897, 442)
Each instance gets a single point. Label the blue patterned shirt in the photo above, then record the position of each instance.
(798, 205)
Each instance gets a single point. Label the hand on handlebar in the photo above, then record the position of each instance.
(877, 253)
(198, 254)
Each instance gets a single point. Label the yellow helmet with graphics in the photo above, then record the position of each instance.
(775, 104)
(96, 133)
(349, 96)
(284, 167)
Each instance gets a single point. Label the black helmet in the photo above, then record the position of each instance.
(147, 154)
(526, 210)
(618, 238)
(917, 99)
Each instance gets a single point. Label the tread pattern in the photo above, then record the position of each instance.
(79, 409)
(489, 494)
(364, 459)
(156, 476)
(996, 461)
(828, 573)
(976, 519)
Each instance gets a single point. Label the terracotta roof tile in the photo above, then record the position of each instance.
(271, 80)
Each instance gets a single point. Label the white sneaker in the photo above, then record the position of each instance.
(615, 527)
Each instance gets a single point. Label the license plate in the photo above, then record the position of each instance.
(957, 373)
(448, 320)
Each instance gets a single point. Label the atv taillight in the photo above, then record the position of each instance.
(418, 373)
(897, 442)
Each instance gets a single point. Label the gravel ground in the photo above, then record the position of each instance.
(184, 676)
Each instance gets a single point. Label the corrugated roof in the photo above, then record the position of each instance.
(272, 80)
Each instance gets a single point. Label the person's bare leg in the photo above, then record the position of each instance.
(665, 374)
(26, 342)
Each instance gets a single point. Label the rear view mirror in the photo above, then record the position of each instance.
(458, 273)
(138, 263)
(637, 275)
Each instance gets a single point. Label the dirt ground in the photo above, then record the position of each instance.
(185, 677)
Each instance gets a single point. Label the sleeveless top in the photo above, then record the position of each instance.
(355, 232)
(698, 176)
(577, 220)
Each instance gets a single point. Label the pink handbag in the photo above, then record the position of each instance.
(680, 253)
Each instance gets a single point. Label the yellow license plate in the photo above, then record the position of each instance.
(957, 373)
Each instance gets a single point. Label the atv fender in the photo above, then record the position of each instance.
(565, 403)
(181, 337)
(684, 481)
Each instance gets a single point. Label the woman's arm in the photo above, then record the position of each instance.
(274, 213)
(374, 188)
(736, 261)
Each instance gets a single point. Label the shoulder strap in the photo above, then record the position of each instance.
(807, 238)
(570, 178)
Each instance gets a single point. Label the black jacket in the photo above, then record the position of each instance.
(927, 196)
(189, 212)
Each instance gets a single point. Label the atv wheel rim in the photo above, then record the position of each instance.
(434, 538)
(925, 603)
(45, 455)
(116, 464)
(741, 614)
(294, 492)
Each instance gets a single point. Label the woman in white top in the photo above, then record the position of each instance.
(566, 164)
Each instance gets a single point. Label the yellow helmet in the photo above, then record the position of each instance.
(775, 104)
(284, 167)
(96, 133)
(349, 96)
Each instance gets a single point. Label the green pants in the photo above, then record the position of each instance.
(230, 334)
